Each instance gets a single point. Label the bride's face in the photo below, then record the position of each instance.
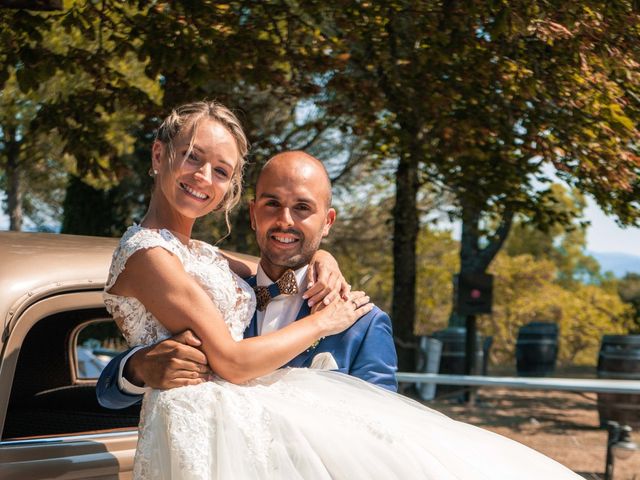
(200, 176)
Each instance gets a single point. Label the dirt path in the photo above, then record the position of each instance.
(562, 425)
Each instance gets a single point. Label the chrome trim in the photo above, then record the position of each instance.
(68, 438)
(47, 291)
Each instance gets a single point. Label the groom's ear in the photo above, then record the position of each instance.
(252, 204)
(328, 221)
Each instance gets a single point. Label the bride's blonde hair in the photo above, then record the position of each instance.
(190, 116)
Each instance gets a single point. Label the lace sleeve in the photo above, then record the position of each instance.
(138, 238)
(138, 326)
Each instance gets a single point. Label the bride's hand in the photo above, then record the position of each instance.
(325, 282)
(340, 314)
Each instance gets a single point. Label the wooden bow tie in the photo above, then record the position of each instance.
(285, 285)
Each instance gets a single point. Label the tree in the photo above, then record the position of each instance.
(139, 60)
(103, 208)
(629, 290)
(563, 243)
(361, 239)
(480, 98)
(31, 164)
(62, 89)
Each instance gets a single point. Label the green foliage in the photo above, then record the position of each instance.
(563, 244)
(361, 240)
(488, 93)
(31, 163)
(526, 291)
(477, 98)
(118, 65)
(438, 261)
(86, 52)
(64, 84)
(629, 290)
(99, 208)
(528, 287)
(474, 100)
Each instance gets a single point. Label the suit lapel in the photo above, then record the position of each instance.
(252, 329)
(304, 310)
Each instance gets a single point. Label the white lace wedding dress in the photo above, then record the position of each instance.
(295, 423)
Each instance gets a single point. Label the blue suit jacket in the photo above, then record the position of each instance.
(365, 350)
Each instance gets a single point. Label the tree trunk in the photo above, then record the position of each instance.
(405, 235)
(14, 180)
(470, 258)
(474, 259)
(86, 210)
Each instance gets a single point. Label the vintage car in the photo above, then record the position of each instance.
(56, 336)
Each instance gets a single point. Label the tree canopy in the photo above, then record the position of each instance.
(481, 98)
(486, 103)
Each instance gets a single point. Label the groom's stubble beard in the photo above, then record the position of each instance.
(295, 259)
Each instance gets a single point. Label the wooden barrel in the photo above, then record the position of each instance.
(537, 349)
(619, 358)
(452, 357)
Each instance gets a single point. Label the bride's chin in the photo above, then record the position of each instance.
(195, 211)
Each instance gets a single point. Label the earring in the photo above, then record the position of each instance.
(153, 172)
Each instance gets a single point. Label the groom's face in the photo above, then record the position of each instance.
(291, 212)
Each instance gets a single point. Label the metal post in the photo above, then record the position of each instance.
(612, 438)
(470, 355)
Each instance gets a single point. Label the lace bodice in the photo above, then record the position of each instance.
(231, 295)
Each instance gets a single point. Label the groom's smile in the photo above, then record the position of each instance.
(286, 239)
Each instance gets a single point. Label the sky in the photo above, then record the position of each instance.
(605, 236)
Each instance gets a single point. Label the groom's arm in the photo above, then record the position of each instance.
(174, 362)
(109, 391)
(376, 360)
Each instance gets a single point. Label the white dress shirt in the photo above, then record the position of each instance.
(125, 385)
(283, 309)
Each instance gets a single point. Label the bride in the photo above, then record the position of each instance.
(253, 421)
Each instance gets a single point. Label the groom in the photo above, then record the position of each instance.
(290, 214)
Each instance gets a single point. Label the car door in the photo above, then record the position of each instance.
(51, 423)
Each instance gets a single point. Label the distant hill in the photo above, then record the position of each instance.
(618, 263)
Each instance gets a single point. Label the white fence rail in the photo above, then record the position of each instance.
(526, 383)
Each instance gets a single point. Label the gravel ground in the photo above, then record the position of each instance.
(562, 425)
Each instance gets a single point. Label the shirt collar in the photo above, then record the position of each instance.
(262, 280)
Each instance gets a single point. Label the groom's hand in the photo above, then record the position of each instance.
(175, 362)
(325, 282)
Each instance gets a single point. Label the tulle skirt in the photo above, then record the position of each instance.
(312, 424)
